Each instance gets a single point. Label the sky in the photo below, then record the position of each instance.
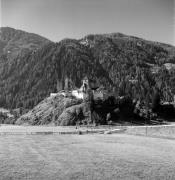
(59, 19)
(0, 13)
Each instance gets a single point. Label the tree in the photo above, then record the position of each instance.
(156, 101)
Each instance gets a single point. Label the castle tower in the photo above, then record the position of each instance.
(68, 85)
(85, 85)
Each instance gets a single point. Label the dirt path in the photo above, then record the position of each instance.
(57, 157)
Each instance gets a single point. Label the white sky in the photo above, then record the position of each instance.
(0, 13)
(58, 19)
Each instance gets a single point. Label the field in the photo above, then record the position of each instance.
(90, 157)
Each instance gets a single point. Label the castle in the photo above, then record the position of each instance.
(82, 92)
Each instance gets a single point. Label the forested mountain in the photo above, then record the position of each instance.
(125, 65)
(14, 42)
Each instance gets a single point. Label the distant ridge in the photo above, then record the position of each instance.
(13, 42)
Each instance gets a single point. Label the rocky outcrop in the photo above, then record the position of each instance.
(75, 115)
(56, 110)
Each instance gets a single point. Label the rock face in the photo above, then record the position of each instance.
(77, 114)
(56, 110)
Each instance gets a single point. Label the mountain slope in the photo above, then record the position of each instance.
(28, 81)
(13, 42)
(125, 65)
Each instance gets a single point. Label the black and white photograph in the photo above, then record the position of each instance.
(87, 89)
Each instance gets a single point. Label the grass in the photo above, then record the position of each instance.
(91, 157)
